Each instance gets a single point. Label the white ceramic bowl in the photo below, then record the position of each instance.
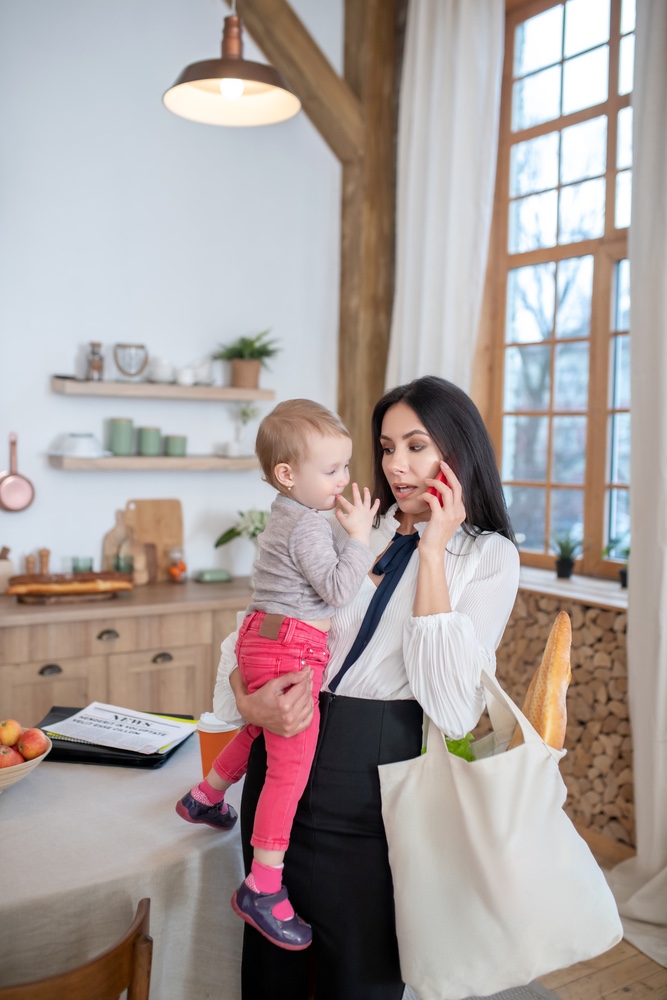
(10, 775)
(78, 446)
(82, 446)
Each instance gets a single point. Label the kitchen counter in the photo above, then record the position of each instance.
(154, 598)
(155, 649)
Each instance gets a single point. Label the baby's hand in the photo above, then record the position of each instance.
(357, 517)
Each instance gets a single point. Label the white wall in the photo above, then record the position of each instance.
(122, 222)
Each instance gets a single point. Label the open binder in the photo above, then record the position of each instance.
(70, 752)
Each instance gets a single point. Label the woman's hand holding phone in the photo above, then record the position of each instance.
(449, 515)
(440, 478)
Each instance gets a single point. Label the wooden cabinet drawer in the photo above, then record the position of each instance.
(174, 680)
(181, 629)
(66, 639)
(26, 644)
(29, 690)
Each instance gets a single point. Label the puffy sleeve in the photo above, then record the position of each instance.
(334, 574)
(224, 702)
(445, 653)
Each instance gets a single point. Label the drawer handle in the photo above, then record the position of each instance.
(108, 633)
(162, 658)
(49, 669)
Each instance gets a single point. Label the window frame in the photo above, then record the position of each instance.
(606, 251)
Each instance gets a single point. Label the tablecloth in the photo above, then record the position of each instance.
(80, 845)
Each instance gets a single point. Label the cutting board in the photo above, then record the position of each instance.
(158, 523)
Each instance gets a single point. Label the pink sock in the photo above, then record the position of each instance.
(207, 794)
(267, 878)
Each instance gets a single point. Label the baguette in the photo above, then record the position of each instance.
(545, 706)
(71, 587)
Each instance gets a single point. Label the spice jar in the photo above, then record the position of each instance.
(177, 568)
(95, 362)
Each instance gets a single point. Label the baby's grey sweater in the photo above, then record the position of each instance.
(300, 571)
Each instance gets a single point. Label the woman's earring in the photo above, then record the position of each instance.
(289, 488)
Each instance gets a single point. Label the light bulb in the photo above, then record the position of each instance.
(231, 88)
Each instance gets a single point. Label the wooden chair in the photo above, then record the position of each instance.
(124, 966)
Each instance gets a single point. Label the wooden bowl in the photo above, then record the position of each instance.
(10, 775)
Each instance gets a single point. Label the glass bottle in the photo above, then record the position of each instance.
(177, 568)
(95, 362)
(124, 560)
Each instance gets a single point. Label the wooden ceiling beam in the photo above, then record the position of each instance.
(368, 223)
(327, 99)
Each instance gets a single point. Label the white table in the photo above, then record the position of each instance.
(80, 845)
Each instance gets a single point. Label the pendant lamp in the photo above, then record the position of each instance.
(231, 90)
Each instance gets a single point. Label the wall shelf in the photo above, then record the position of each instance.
(69, 386)
(159, 463)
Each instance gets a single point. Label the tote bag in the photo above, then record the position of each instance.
(493, 886)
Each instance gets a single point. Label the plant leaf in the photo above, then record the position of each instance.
(227, 536)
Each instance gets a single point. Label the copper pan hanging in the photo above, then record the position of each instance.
(16, 492)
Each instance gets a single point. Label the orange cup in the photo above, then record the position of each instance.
(214, 735)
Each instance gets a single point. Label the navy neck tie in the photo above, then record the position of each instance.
(392, 564)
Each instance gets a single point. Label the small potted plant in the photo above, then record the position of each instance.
(616, 549)
(567, 547)
(247, 355)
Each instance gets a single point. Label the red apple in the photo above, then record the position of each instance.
(9, 756)
(10, 730)
(33, 743)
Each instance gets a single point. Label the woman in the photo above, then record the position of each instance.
(455, 570)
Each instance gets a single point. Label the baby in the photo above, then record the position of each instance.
(300, 576)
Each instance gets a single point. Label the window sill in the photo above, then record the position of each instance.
(583, 589)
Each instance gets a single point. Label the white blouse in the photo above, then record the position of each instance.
(436, 659)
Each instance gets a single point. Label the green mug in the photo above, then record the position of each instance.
(149, 440)
(175, 445)
(121, 434)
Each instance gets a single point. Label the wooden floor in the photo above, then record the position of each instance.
(620, 974)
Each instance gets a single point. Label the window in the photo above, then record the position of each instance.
(560, 239)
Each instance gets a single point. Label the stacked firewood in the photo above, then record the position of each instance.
(597, 768)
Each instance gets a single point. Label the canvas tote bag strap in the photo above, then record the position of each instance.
(432, 737)
(504, 715)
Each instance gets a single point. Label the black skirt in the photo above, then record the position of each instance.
(336, 868)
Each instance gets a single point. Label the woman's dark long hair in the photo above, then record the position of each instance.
(458, 432)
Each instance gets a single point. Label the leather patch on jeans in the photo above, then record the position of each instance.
(270, 627)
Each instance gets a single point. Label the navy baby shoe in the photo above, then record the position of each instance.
(255, 908)
(196, 812)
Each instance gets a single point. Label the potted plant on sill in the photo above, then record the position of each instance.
(247, 355)
(567, 548)
(615, 549)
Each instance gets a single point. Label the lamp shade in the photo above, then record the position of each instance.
(231, 90)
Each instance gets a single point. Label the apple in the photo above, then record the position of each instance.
(32, 743)
(10, 731)
(9, 756)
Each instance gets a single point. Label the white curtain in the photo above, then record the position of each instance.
(447, 145)
(640, 884)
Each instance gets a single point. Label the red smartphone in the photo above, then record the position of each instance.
(440, 478)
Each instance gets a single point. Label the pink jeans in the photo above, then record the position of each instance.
(297, 647)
